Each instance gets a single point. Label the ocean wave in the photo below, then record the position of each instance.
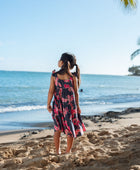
(95, 102)
(21, 108)
(111, 99)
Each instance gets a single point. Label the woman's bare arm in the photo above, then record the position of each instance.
(50, 94)
(76, 93)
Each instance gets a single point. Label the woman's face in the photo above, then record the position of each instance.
(60, 63)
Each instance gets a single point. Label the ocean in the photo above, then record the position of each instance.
(23, 96)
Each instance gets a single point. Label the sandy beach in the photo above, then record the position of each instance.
(110, 143)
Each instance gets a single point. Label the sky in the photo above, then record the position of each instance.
(102, 35)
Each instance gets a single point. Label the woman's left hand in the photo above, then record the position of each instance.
(78, 110)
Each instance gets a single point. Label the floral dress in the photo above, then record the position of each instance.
(64, 109)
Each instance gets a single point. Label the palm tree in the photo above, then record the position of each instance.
(137, 52)
(135, 70)
(129, 3)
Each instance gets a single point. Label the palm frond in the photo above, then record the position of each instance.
(135, 53)
(129, 3)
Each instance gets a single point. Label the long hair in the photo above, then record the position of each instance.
(69, 61)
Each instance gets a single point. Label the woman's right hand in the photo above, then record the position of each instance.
(49, 108)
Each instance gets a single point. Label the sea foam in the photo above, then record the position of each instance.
(22, 108)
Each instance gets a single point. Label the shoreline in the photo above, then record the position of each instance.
(109, 117)
(111, 141)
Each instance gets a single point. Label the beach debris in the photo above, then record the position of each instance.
(34, 132)
(30, 133)
(24, 136)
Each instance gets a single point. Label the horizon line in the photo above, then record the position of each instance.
(51, 72)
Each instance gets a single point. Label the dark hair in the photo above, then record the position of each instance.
(69, 61)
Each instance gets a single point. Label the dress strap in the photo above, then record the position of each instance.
(54, 73)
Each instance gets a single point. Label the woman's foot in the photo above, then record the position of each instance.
(68, 152)
(58, 153)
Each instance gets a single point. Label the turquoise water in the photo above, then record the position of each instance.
(23, 96)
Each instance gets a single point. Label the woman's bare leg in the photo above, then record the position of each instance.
(69, 143)
(57, 141)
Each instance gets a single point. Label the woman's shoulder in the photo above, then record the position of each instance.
(54, 73)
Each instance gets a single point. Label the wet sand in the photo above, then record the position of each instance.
(110, 143)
